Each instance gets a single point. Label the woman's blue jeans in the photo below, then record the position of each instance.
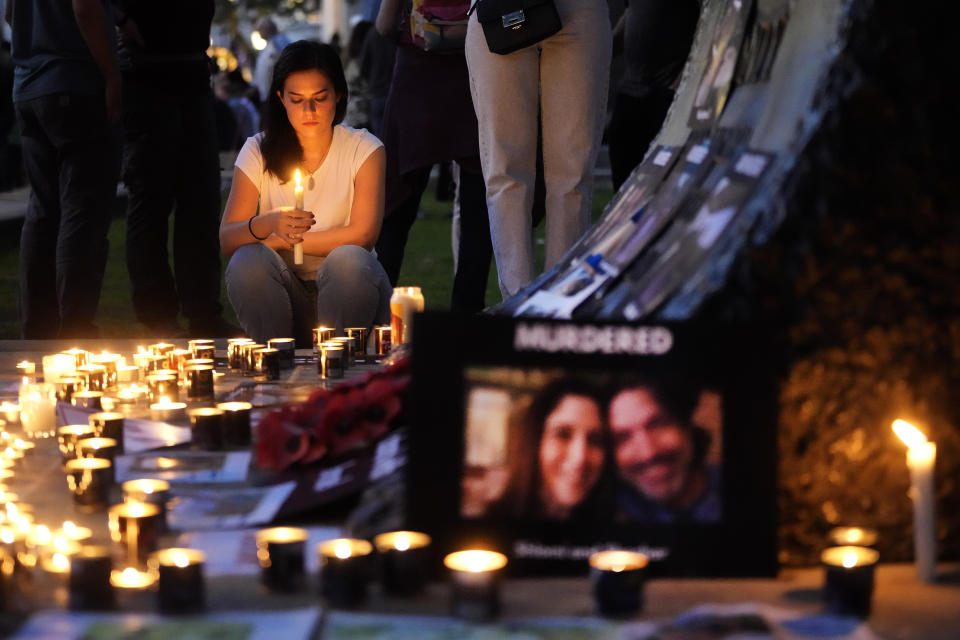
(351, 290)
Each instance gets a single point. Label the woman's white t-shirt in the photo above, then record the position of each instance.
(327, 192)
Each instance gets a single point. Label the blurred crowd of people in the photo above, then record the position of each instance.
(108, 90)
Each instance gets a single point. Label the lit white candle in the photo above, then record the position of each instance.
(298, 204)
(165, 410)
(921, 459)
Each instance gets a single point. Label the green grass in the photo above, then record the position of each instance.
(428, 263)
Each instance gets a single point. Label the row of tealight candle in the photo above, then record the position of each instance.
(98, 381)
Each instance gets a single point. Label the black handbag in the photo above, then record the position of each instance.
(509, 25)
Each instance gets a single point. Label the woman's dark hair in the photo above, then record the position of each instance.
(523, 493)
(280, 147)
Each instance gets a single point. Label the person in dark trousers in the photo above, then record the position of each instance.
(656, 36)
(429, 118)
(171, 164)
(67, 99)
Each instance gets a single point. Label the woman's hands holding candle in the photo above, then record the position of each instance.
(287, 224)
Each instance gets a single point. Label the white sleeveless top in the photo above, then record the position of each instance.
(327, 192)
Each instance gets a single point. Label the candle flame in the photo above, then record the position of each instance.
(136, 509)
(342, 550)
(849, 560)
(296, 177)
(402, 543)
(42, 534)
(129, 575)
(617, 568)
(6, 536)
(909, 434)
(60, 544)
(69, 528)
(60, 562)
(181, 559)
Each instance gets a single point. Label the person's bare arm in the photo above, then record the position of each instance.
(97, 32)
(366, 216)
(277, 227)
(386, 23)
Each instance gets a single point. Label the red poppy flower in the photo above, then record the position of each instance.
(280, 443)
(380, 407)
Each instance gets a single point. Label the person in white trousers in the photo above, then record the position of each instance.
(564, 78)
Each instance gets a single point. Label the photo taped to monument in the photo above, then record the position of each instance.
(557, 446)
(551, 440)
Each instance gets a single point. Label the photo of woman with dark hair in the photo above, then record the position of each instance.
(555, 455)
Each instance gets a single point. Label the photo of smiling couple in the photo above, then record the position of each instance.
(631, 448)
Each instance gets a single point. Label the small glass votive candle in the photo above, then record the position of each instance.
(235, 423)
(205, 428)
(132, 579)
(344, 571)
(151, 362)
(10, 412)
(205, 352)
(56, 561)
(68, 386)
(234, 354)
(89, 481)
(88, 400)
(618, 578)
(266, 363)
(178, 359)
(196, 343)
(330, 362)
(383, 341)
(165, 410)
(348, 346)
(109, 424)
(321, 335)
(27, 369)
(58, 365)
(135, 528)
(110, 363)
(105, 448)
(475, 586)
(80, 356)
(38, 408)
(162, 385)
(180, 587)
(286, 348)
(199, 382)
(69, 435)
(89, 583)
(247, 365)
(280, 551)
(161, 348)
(74, 532)
(127, 373)
(359, 335)
(93, 377)
(404, 560)
(131, 396)
(855, 536)
(150, 491)
(848, 580)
